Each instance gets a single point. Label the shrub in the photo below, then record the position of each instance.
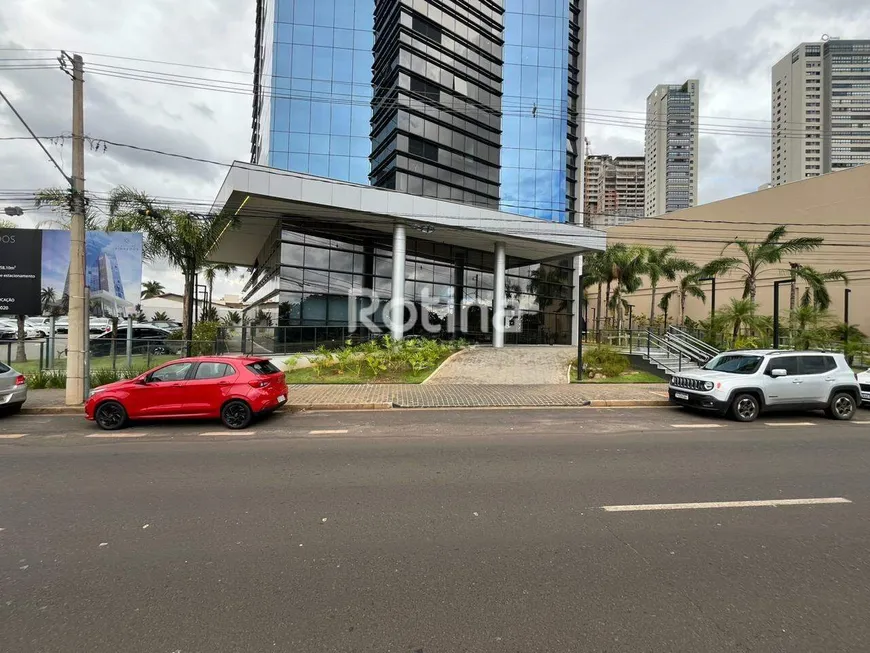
(604, 360)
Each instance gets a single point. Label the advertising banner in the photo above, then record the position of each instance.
(20, 271)
(113, 271)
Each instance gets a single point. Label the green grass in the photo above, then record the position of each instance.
(98, 363)
(632, 376)
(332, 376)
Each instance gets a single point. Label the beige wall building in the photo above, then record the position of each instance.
(614, 190)
(833, 206)
(671, 147)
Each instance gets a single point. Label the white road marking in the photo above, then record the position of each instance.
(328, 432)
(855, 421)
(768, 503)
(696, 426)
(789, 423)
(227, 432)
(11, 436)
(112, 434)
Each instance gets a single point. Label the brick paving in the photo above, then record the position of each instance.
(314, 396)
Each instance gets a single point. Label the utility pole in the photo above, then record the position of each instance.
(78, 336)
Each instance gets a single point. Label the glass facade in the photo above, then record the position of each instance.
(535, 108)
(472, 101)
(322, 88)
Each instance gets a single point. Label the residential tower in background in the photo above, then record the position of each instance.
(820, 110)
(614, 190)
(671, 148)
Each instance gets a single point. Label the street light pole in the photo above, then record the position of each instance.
(776, 285)
(847, 293)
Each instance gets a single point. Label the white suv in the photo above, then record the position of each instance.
(864, 380)
(747, 383)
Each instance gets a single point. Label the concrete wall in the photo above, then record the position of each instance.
(835, 206)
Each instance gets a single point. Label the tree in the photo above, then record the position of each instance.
(814, 328)
(138, 314)
(231, 319)
(151, 289)
(816, 293)
(7, 224)
(181, 238)
(549, 284)
(689, 284)
(48, 298)
(160, 316)
(594, 274)
(210, 273)
(627, 264)
(209, 314)
(661, 264)
(21, 349)
(758, 256)
(59, 200)
(741, 313)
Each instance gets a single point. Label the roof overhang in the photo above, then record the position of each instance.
(261, 197)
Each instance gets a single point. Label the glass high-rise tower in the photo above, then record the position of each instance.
(472, 101)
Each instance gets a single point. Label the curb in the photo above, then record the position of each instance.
(374, 405)
(54, 410)
(628, 403)
(443, 363)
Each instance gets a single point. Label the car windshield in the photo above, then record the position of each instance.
(735, 363)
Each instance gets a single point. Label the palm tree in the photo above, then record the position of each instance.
(816, 292)
(181, 238)
(548, 284)
(21, 349)
(151, 289)
(661, 264)
(59, 200)
(210, 273)
(160, 316)
(209, 314)
(627, 264)
(233, 318)
(814, 327)
(594, 274)
(689, 284)
(741, 313)
(48, 297)
(757, 256)
(665, 305)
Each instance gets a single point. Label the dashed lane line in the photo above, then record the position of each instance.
(227, 432)
(328, 432)
(766, 503)
(789, 423)
(113, 435)
(11, 436)
(696, 426)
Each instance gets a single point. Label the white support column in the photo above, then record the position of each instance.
(575, 286)
(498, 297)
(397, 303)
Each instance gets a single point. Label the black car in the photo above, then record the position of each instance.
(146, 339)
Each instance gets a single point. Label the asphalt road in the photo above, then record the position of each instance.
(411, 531)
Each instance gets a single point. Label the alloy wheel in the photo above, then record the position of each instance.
(110, 416)
(844, 406)
(746, 408)
(236, 415)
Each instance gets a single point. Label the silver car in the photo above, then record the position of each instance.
(13, 389)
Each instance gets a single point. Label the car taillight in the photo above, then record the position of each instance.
(256, 383)
(20, 380)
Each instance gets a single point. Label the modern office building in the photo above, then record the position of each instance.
(671, 148)
(614, 190)
(476, 103)
(820, 110)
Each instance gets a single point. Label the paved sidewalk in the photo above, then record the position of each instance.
(377, 396)
(532, 365)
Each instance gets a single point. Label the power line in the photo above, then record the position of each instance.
(35, 138)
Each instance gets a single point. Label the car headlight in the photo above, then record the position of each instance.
(708, 385)
(95, 391)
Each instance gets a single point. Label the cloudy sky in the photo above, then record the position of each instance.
(633, 45)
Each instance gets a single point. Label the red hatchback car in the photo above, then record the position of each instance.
(232, 389)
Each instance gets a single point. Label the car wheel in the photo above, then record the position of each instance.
(842, 407)
(745, 408)
(236, 415)
(110, 416)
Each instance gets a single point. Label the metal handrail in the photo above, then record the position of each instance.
(703, 346)
(663, 343)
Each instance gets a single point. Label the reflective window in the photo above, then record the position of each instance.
(213, 371)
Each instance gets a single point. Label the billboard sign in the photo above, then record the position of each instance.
(113, 271)
(20, 271)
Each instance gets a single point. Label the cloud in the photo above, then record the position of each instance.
(203, 109)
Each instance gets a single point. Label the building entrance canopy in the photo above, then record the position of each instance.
(396, 226)
(261, 195)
